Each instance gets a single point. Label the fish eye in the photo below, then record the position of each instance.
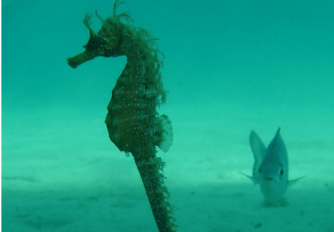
(281, 172)
(259, 170)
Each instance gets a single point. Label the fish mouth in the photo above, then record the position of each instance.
(269, 179)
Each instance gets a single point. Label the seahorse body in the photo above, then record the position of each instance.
(132, 120)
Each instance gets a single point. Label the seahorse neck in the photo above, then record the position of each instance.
(138, 54)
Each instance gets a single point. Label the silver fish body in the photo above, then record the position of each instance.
(271, 168)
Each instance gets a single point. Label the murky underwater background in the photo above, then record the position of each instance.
(230, 67)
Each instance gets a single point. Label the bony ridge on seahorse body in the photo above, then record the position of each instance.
(132, 120)
(271, 169)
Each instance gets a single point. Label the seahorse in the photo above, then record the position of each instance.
(133, 122)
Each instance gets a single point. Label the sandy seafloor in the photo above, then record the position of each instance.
(229, 68)
(60, 176)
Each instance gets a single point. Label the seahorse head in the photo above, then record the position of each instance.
(108, 41)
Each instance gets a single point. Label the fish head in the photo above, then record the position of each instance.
(273, 181)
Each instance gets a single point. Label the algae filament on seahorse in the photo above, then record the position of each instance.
(132, 120)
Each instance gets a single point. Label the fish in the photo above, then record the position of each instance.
(271, 169)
